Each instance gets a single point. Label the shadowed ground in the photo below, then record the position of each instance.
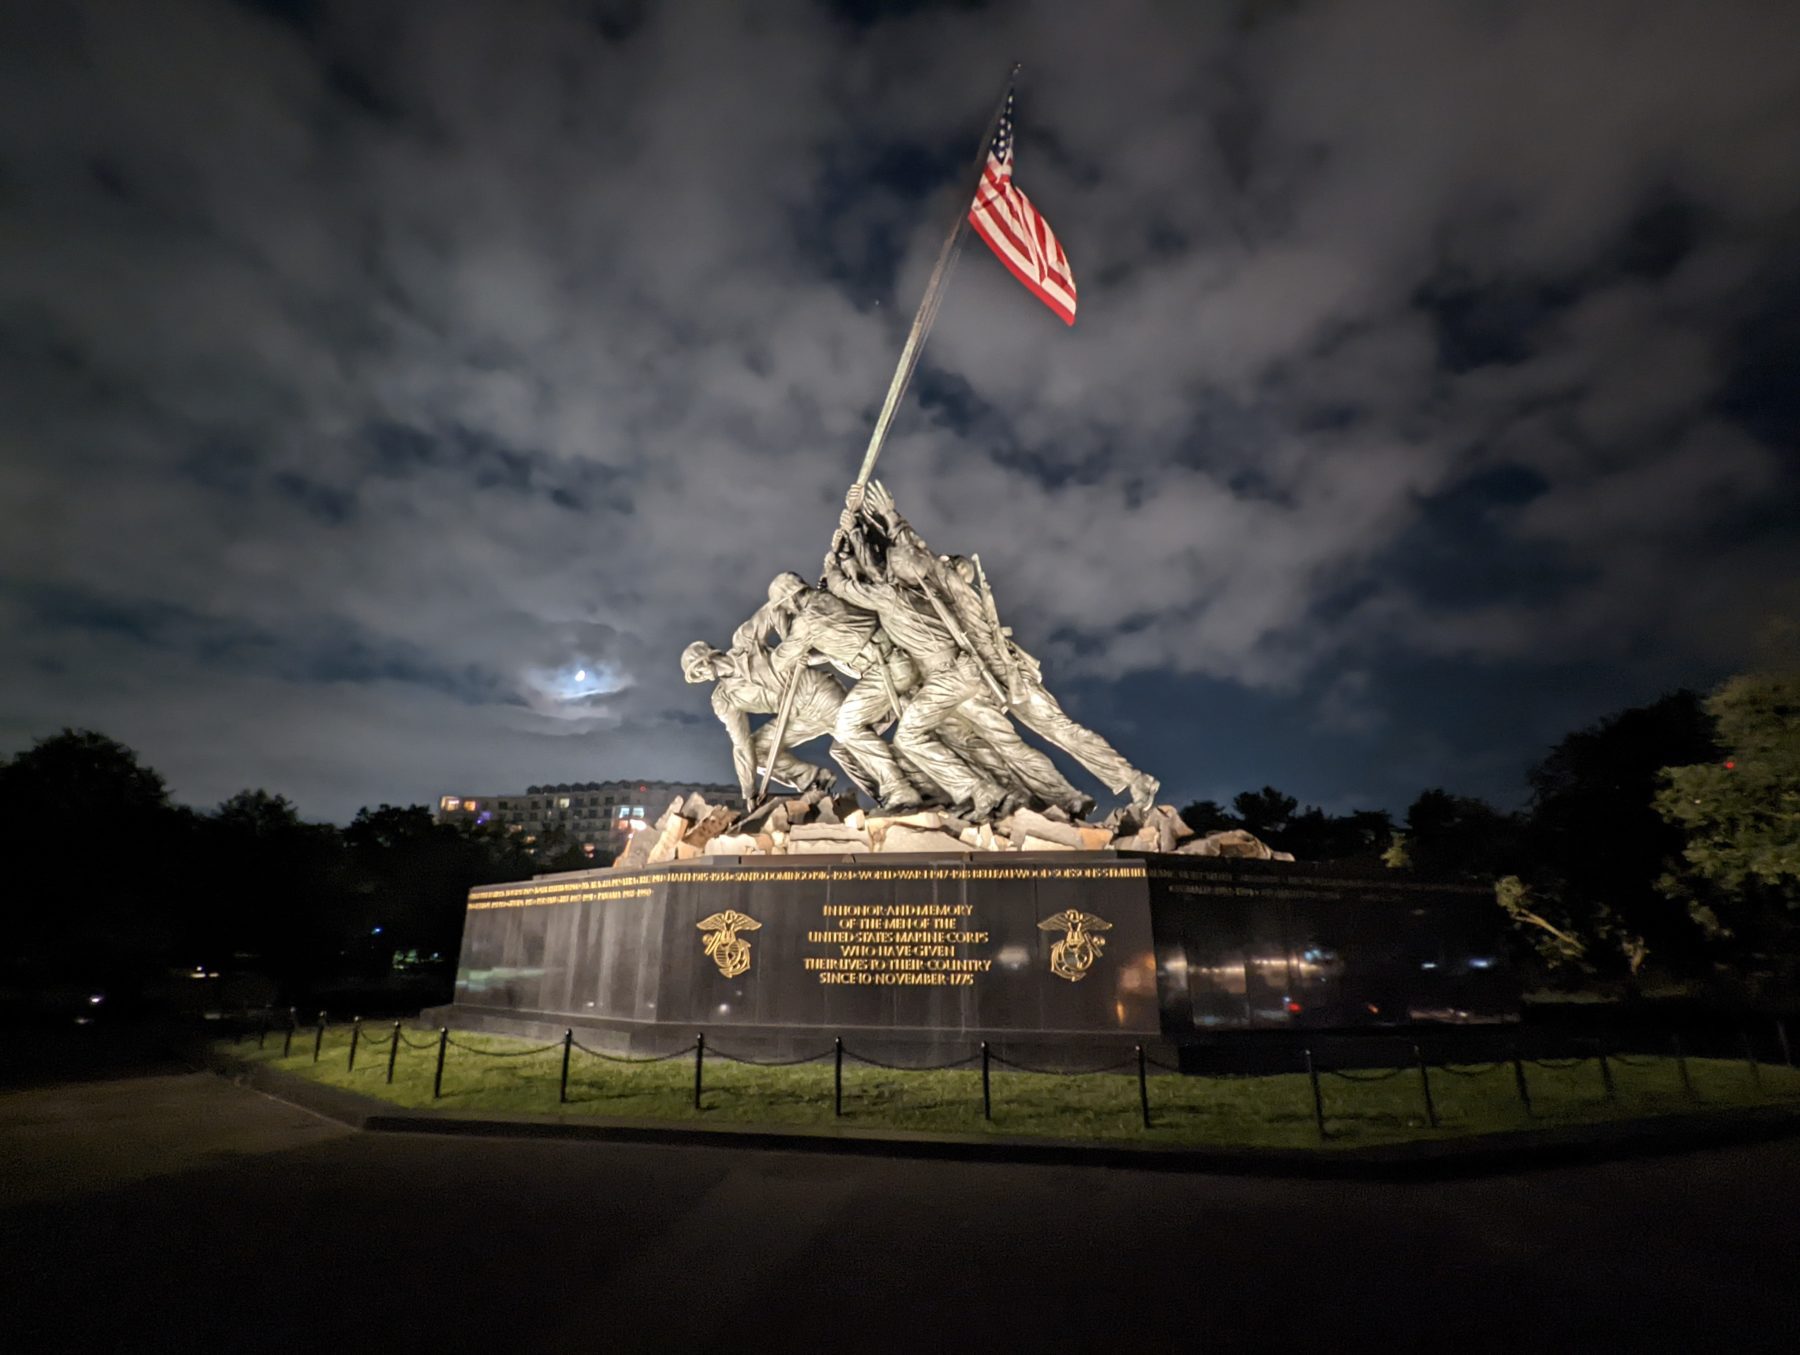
(181, 1212)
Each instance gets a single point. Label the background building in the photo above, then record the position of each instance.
(599, 816)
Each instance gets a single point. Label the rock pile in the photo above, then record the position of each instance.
(818, 824)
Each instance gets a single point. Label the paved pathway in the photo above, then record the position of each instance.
(182, 1212)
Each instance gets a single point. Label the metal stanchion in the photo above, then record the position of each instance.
(1606, 1077)
(263, 1031)
(319, 1037)
(355, 1036)
(1518, 1064)
(987, 1093)
(287, 1040)
(562, 1095)
(1750, 1058)
(393, 1052)
(837, 1076)
(1312, 1074)
(1143, 1087)
(1687, 1083)
(437, 1082)
(1425, 1086)
(699, 1063)
(1787, 1052)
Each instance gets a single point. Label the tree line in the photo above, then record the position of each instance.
(110, 879)
(1666, 835)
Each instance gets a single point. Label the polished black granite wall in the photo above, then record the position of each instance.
(1195, 946)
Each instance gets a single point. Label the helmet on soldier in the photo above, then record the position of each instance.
(696, 662)
(784, 586)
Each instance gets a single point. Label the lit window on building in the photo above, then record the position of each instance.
(637, 811)
(562, 802)
(449, 802)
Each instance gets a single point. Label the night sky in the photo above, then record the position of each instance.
(370, 370)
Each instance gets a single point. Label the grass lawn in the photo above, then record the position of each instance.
(494, 1073)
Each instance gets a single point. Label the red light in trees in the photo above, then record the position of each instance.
(1730, 764)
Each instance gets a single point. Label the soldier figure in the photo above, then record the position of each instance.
(745, 684)
(948, 675)
(952, 582)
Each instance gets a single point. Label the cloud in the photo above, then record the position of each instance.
(433, 357)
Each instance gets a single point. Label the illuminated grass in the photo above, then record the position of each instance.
(1268, 1112)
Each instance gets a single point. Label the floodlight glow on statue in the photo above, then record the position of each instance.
(917, 634)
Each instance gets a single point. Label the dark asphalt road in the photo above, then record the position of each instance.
(180, 1212)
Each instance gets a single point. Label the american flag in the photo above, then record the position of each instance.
(1023, 240)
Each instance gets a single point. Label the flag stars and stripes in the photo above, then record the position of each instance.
(1020, 237)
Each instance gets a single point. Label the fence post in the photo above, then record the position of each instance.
(1143, 1087)
(1606, 1077)
(699, 1063)
(987, 1095)
(437, 1082)
(1312, 1074)
(393, 1052)
(562, 1094)
(1787, 1053)
(1425, 1086)
(1687, 1083)
(355, 1036)
(837, 1076)
(287, 1040)
(1750, 1058)
(262, 1031)
(1518, 1064)
(319, 1038)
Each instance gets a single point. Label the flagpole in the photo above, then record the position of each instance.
(934, 292)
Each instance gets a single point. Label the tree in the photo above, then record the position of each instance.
(1314, 835)
(413, 874)
(1208, 816)
(1266, 812)
(1596, 845)
(1739, 815)
(95, 853)
(271, 890)
(1310, 834)
(1456, 837)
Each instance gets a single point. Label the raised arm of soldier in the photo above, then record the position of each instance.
(853, 577)
(911, 561)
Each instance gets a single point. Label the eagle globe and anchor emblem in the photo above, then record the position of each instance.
(728, 951)
(1072, 957)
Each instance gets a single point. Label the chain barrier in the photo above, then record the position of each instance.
(712, 1053)
(1064, 1072)
(504, 1053)
(682, 1052)
(1366, 1075)
(910, 1067)
(1470, 1069)
(390, 1039)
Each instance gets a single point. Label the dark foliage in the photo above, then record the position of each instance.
(114, 885)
